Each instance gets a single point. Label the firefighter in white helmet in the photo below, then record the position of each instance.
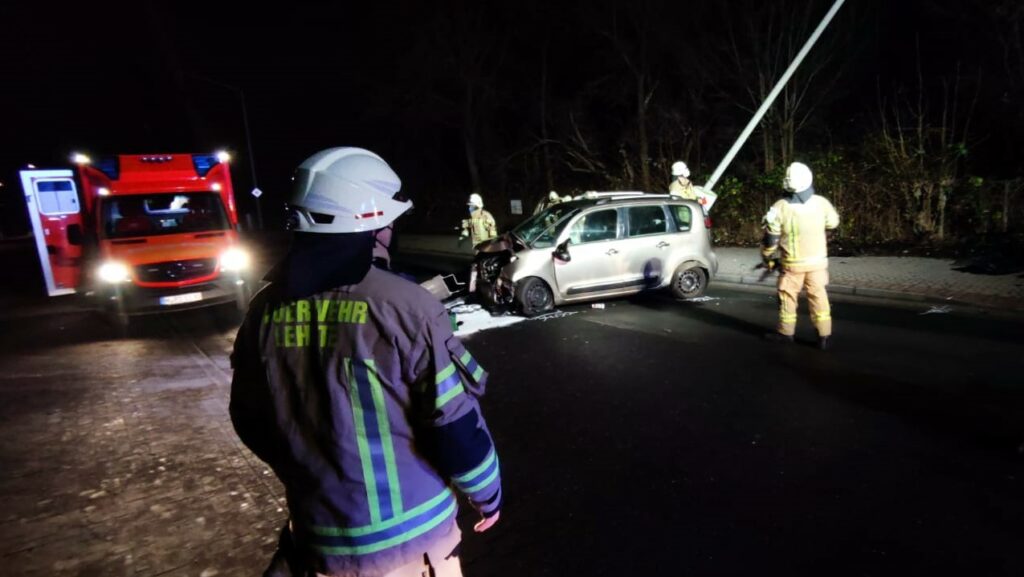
(796, 226)
(349, 383)
(681, 185)
(480, 225)
(551, 200)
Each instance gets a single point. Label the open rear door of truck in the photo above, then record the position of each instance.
(56, 215)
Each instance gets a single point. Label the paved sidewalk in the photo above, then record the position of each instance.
(893, 277)
(901, 278)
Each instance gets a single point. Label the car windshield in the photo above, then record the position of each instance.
(162, 213)
(541, 229)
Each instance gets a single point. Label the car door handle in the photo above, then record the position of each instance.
(611, 251)
(663, 244)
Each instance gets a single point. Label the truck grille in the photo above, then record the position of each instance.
(176, 271)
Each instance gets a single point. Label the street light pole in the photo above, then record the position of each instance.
(248, 139)
(710, 184)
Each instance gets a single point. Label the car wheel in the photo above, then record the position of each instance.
(689, 281)
(533, 296)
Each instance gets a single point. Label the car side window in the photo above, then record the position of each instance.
(683, 217)
(595, 227)
(646, 220)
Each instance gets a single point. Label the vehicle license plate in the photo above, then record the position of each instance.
(181, 299)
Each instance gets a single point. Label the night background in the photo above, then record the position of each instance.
(515, 99)
(641, 432)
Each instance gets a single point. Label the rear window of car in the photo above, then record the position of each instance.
(683, 217)
(646, 220)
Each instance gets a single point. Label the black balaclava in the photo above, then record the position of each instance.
(803, 196)
(319, 262)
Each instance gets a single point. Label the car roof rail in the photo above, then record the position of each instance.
(593, 194)
(640, 196)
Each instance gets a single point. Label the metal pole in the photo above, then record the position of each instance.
(772, 95)
(248, 138)
(252, 159)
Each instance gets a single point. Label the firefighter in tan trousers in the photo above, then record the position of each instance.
(796, 226)
(480, 225)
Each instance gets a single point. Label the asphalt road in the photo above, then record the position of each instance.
(655, 437)
(648, 437)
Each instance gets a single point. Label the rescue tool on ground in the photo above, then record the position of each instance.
(142, 233)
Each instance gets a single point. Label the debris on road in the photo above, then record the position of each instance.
(703, 299)
(941, 310)
(481, 320)
(597, 306)
(553, 315)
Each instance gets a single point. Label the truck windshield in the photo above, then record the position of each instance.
(541, 230)
(161, 213)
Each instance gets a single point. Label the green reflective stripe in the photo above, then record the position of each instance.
(374, 527)
(407, 536)
(478, 469)
(385, 437)
(467, 358)
(364, 447)
(447, 372)
(795, 230)
(443, 399)
(484, 483)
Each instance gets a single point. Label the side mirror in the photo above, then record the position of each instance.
(562, 252)
(74, 232)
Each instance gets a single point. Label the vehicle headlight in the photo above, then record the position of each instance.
(234, 259)
(114, 272)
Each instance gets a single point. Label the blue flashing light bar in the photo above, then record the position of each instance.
(204, 163)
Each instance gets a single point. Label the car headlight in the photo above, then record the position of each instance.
(234, 259)
(114, 272)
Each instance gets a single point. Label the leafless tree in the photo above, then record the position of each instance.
(922, 149)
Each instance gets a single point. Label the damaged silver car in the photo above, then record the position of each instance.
(598, 246)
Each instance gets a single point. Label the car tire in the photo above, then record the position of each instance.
(689, 281)
(533, 296)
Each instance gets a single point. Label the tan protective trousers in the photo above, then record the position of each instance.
(790, 285)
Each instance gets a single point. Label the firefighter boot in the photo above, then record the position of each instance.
(777, 337)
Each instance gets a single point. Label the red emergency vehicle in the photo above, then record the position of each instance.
(143, 233)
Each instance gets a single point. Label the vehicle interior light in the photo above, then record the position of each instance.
(223, 156)
(79, 158)
(103, 191)
(215, 187)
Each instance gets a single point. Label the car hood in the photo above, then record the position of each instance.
(497, 244)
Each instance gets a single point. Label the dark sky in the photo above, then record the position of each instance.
(155, 76)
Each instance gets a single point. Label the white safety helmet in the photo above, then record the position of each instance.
(680, 169)
(476, 200)
(798, 177)
(553, 196)
(341, 190)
